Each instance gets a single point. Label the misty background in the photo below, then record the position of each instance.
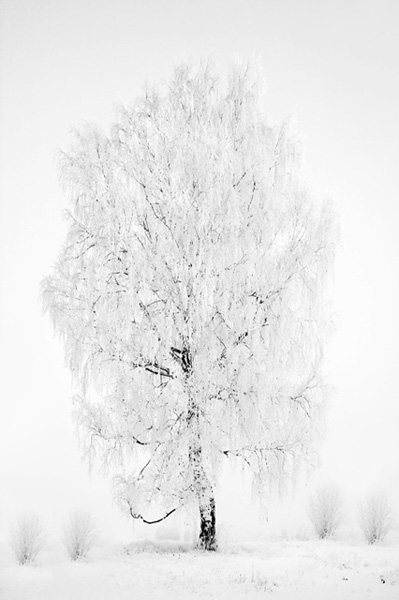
(332, 66)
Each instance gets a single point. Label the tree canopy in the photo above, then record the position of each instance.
(189, 291)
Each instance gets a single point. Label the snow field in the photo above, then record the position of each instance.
(311, 570)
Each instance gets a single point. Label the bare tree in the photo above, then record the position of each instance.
(189, 293)
(325, 510)
(27, 538)
(79, 535)
(375, 517)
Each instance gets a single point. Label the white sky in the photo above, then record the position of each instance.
(333, 63)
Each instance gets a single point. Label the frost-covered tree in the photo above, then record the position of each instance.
(189, 293)
(79, 534)
(375, 517)
(325, 510)
(27, 538)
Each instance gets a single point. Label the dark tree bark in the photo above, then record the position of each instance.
(207, 536)
(202, 486)
(206, 500)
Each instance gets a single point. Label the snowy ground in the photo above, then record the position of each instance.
(308, 570)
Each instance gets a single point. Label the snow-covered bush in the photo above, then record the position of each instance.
(325, 510)
(375, 517)
(27, 538)
(79, 534)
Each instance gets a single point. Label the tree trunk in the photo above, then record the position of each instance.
(206, 501)
(207, 536)
(201, 483)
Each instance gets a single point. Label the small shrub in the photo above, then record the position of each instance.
(256, 580)
(79, 534)
(27, 538)
(325, 510)
(375, 517)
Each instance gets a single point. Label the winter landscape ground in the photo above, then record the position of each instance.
(300, 570)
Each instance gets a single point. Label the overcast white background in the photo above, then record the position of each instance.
(335, 65)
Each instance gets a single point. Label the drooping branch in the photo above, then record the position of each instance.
(151, 367)
(98, 431)
(139, 442)
(138, 516)
(228, 453)
(158, 370)
(261, 448)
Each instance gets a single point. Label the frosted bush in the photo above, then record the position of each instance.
(375, 517)
(27, 538)
(79, 534)
(325, 510)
